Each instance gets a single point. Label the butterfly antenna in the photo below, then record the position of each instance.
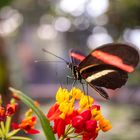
(44, 50)
(37, 61)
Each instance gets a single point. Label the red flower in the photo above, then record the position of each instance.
(2, 113)
(71, 121)
(84, 124)
(54, 112)
(89, 136)
(27, 125)
(69, 117)
(59, 123)
(78, 122)
(59, 127)
(10, 109)
(91, 125)
(96, 106)
(86, 114)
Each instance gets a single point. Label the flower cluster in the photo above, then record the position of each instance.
(6, 115)
(7, 111)
(76, 115)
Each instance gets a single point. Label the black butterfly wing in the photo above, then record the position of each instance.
(76, 57)
(122, 56)
(100, 91)
(104, 75)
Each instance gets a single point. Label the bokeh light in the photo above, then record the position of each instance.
(101, 20)
(74, 7)
(62, 24)
(133, 36)
(46, 31)
(99, 37)
(81, 23)
(96, 8)
(11, 19)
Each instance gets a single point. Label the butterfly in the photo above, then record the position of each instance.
(105, 67)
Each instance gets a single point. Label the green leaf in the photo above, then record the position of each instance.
(12, 133)
(7, 125)
(45, 123)
(19, 138)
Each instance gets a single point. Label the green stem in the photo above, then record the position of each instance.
(7, 125)
(19, 138)
(2, 127)
(1, 134)
(68, 128)
(12, 133)
(62, 138)
(76, 136)
(45, 123)
(70, 131)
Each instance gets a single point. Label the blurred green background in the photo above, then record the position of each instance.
(58, 25)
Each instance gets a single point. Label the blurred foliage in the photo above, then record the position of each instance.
(123, 14)
(4, 3)
(4, 73)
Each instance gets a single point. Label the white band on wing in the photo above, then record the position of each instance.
(98, 75)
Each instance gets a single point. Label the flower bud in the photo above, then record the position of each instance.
(91, 125)
(78, 122)
(86, 114)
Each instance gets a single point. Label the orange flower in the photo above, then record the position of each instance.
(105, 125)
(27, 125)
(11, 109)
(2, 113)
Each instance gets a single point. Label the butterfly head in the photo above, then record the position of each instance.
(69, 65)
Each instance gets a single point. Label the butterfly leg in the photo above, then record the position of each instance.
(74, 82)
(69, 77)
(87, 88)
(86, 91)
(83, 87)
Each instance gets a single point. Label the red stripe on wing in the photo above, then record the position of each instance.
(77, 56)
(112, 60)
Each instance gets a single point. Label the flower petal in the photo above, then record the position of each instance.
(54, 112)
(15, 126)
(33, 131)
(59, 127)
(86, 114)
(69, 118)
(78, 122)
(91, 125)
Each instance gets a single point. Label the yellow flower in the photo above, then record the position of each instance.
(85, 102)
(96, 114)
(76, 93)
(62, 95)
(66, 108)
(105, 125)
